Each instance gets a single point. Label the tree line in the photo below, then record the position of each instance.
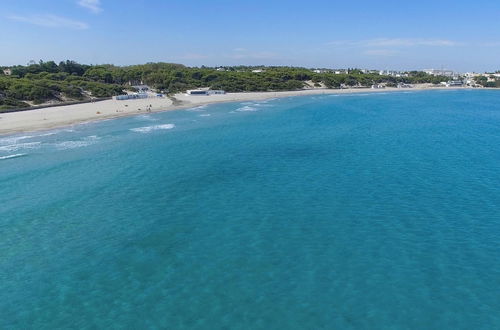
(69, 80)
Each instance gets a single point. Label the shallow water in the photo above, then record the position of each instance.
(346, 211)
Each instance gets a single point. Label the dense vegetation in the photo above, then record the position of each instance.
(46, 81)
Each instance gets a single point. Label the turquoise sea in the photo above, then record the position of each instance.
(366, 211)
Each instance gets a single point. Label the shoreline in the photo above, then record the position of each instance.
(67, 115)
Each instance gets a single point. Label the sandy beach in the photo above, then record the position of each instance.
(52, 117)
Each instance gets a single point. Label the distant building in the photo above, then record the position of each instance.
(491, 77)
(257, 71)
(220, 69)
(135, 82)
(141, 88)
(205, 92)
(403, 85)
(436, 72)
(197, 92)
(471, 74)
(216, 92)
(7, 72)
(393, 73)
(455, 83)
(131, 96)
(321, 71)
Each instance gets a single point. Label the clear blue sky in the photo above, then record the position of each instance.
(461, 34)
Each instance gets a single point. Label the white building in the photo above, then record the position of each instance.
(7, 72)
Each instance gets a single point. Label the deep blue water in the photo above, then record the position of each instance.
(326, 212)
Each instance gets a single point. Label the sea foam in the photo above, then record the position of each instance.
(198, 108)
(148, 129)
(86, 141)
(19, 146)
(146, 118)
(253, 106)
(14, 139)
(11, 156)
(247, 108)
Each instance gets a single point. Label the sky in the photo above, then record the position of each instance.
(461, 35)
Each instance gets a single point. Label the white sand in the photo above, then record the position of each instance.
(52, 117)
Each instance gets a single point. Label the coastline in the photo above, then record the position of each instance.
(67, 115)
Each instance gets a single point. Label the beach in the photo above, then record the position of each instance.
(66, 115)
